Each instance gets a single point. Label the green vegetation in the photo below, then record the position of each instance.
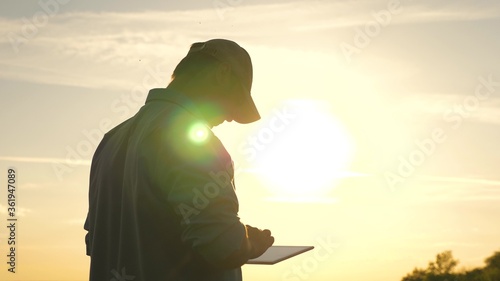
(443, 269)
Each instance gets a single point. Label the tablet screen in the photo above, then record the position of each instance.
(276, 254)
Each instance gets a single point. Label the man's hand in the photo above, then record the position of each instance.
(260, 240)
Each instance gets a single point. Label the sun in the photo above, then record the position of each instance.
(309, 155)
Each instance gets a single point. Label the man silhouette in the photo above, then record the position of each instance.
(162, 204)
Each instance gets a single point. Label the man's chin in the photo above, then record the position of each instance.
(216, 122)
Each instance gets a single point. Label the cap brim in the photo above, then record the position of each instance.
(248, 112)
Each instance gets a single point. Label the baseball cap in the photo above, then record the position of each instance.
(229, 52)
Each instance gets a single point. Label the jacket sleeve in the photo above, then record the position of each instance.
(87, 236)
(202, 194)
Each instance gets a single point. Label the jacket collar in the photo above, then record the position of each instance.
(171, 96)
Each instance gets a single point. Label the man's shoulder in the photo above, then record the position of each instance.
(149, 115)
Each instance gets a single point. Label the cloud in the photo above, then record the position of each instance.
(455, 189)
(475, 181)
(20, 211)
(338, 14)
(75, 221)
(43, 160)
(454, 244)
(439, 105)
(89, 49)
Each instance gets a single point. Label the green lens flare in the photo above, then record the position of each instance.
(198, 133)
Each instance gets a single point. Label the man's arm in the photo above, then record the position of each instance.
(255, 243)
(201, 192)
(206, 204)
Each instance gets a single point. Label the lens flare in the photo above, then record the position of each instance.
(198, 133)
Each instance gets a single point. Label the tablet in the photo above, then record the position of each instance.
(276, 254)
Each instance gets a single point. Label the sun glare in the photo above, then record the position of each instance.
(198, 133)
(306, 159)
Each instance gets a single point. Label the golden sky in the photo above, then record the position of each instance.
(378, 142)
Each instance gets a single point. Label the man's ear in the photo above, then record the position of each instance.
(223, 74)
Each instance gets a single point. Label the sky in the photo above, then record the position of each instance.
(377, 143)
